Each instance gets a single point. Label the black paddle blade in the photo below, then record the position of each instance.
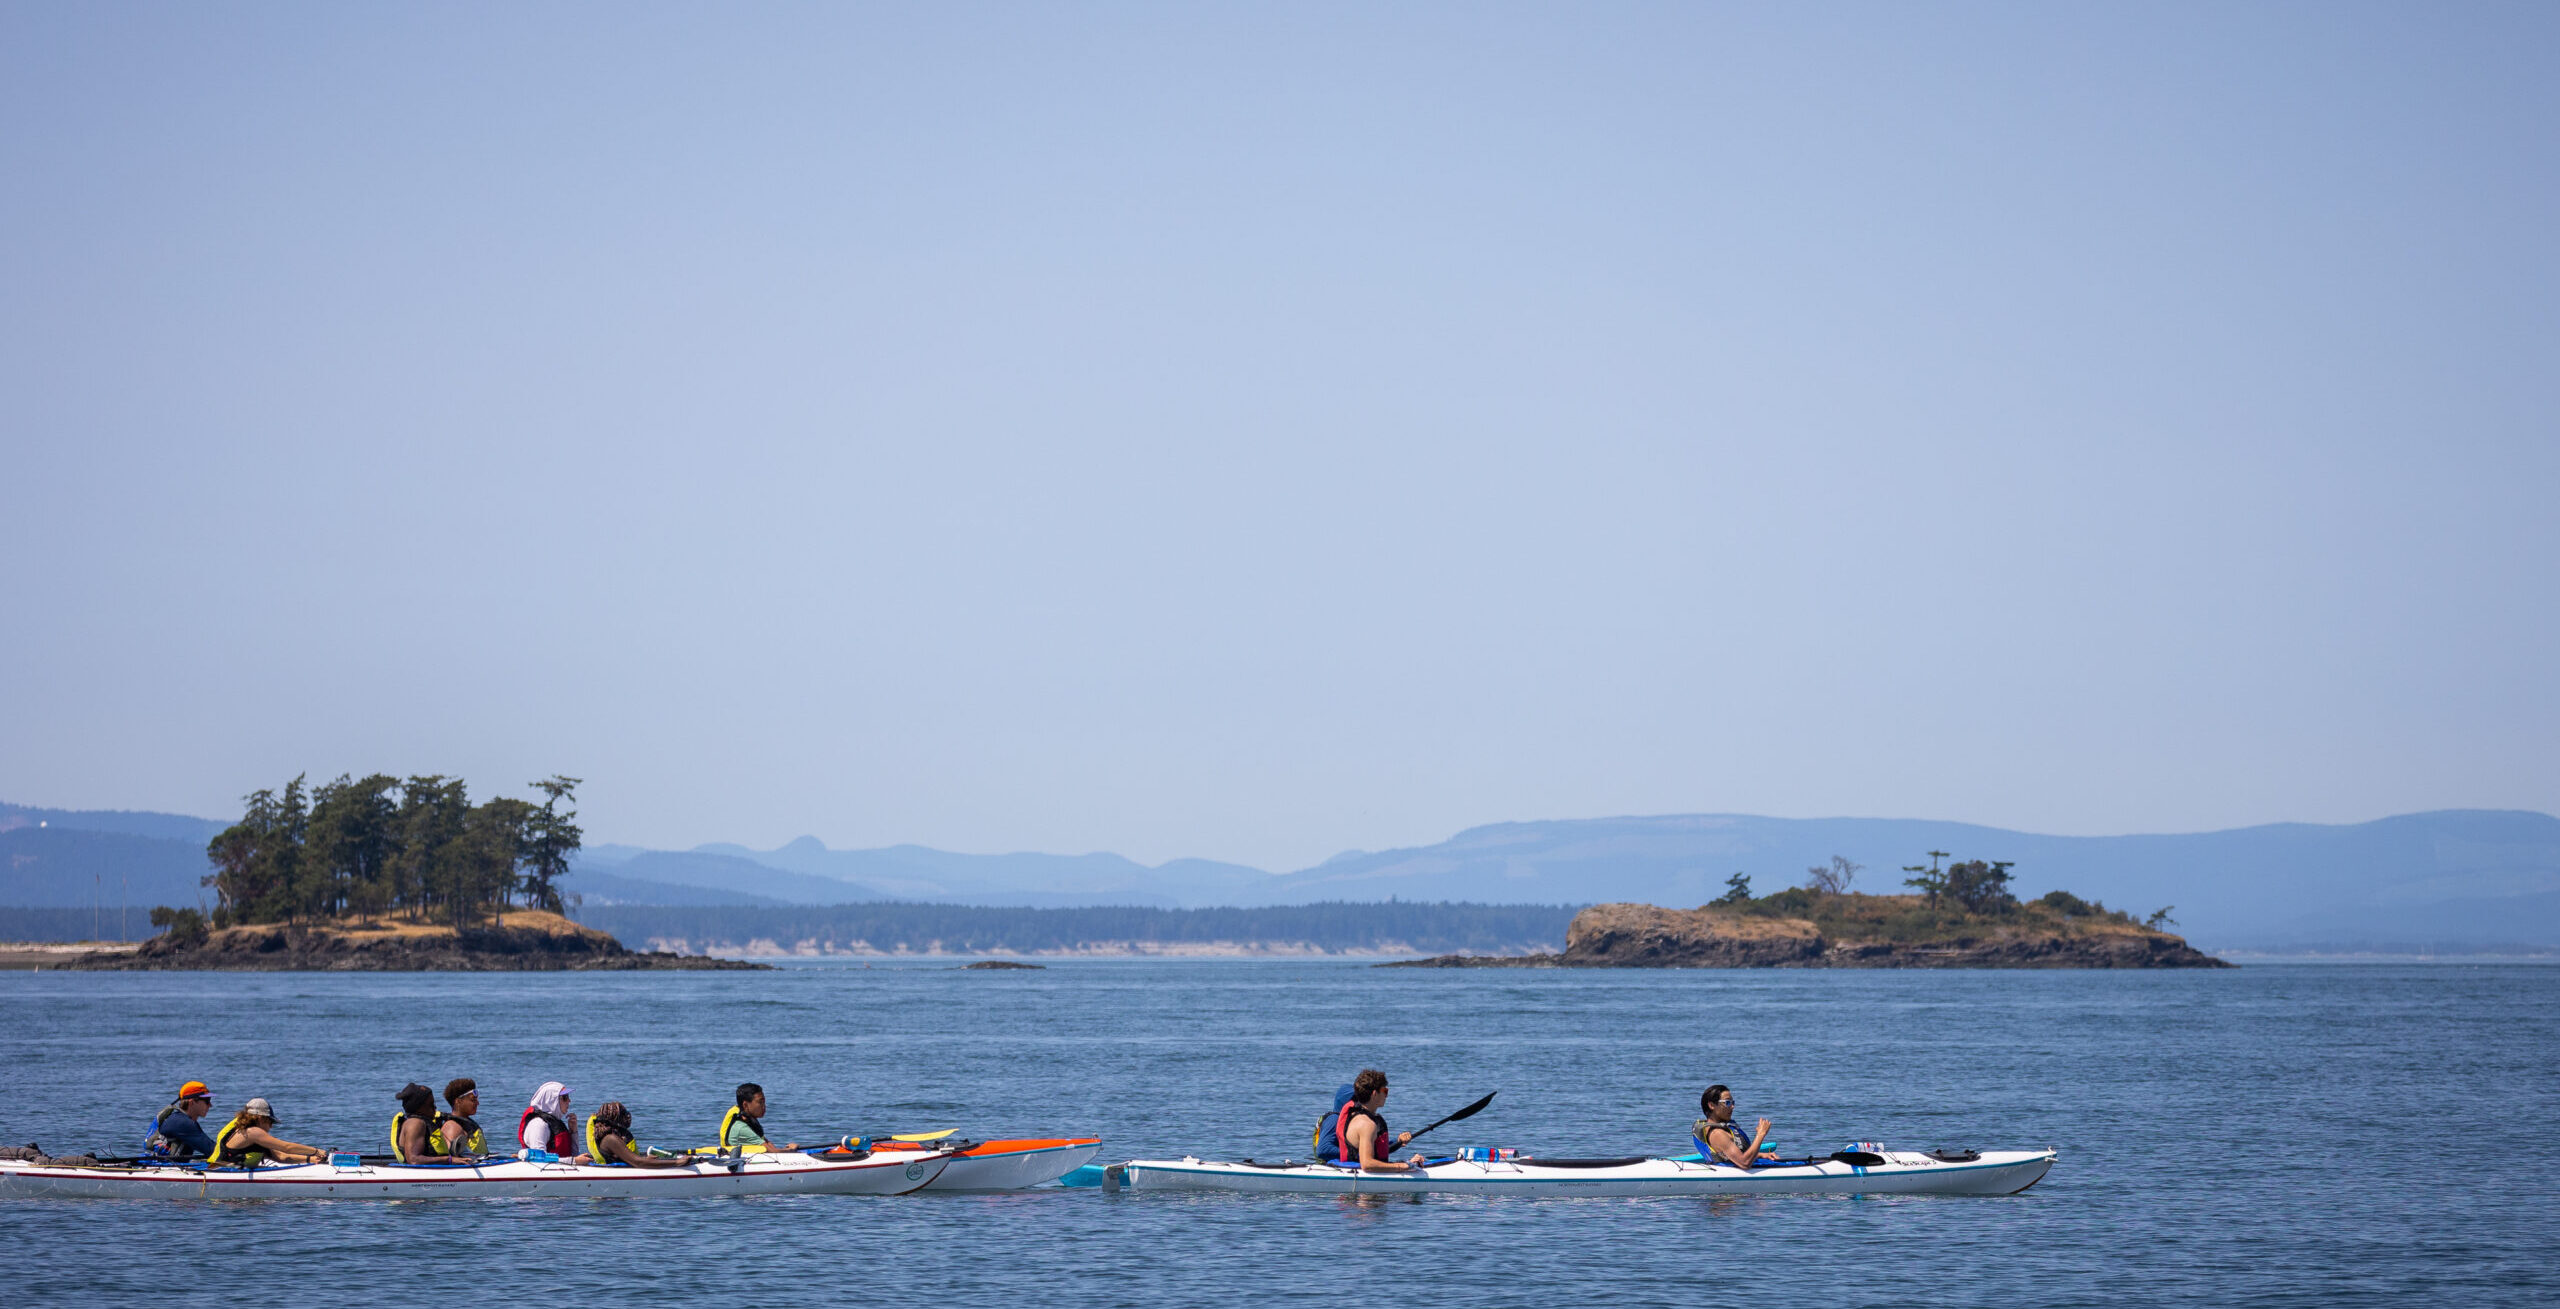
(1469, 1112)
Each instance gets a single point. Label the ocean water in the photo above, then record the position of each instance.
(2278, 1135)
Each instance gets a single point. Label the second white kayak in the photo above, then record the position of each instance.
(1897, 1172)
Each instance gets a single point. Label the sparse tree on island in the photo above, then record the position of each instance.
(2160, 918)
(1737, 890)
(1835, 879)
(552, 837)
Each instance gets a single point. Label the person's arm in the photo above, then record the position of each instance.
(620, 1151)
(413, 1142)
(1364, 1137)
(453, 1134)
(1725, 1140)
(279, 1147)
(188, 1134)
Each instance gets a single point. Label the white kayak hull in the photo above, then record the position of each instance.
(2005, 1172)
(763, 1174)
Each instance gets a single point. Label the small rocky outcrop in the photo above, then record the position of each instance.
(1648, 936)
(528, 941)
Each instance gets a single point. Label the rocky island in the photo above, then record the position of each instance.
(1962, 918)
(526, 940)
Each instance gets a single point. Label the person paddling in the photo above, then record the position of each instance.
(1362, 1128)
(742, 1128)
(177, 1132)
(459, 1130)
(414, 1135)
(246, 1142)
(1720, 1138)
(609, 1139)
(546, 1124)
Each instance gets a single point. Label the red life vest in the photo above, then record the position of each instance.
(560, 1131)
(1380, 1147)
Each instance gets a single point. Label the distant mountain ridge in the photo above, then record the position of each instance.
(2449, 877)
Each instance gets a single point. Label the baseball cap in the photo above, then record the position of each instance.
(258, 1107)
(195, 1091)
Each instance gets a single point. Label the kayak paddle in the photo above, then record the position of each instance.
(1469, 1112)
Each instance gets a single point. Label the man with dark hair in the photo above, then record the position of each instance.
(414, 1135)
(460, 1131)
(742, 1128)
(1362, 1127)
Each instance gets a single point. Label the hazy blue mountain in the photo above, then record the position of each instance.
(597, 886)
(704, 870)
(64, 867)
(2454, 875)
(915, 872)
(126, 822)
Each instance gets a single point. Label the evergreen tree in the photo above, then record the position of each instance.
(551, 838)
(433, 810)
(351, 843)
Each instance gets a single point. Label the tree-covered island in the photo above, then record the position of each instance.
(390, 873)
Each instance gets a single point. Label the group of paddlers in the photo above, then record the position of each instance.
(423, 1134)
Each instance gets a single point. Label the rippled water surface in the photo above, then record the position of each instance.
(2305, 1134)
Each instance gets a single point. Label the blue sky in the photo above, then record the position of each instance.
(1259, 431)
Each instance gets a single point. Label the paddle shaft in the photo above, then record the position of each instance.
(1469, 1112)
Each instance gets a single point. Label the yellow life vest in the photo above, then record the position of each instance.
(435, 1139)
(734, 1114)
(474, 1141)
(223, 1154)
(595, 1149)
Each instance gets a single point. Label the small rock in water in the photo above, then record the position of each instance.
(1001, 963)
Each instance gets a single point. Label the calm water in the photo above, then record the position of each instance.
(2314, 1135)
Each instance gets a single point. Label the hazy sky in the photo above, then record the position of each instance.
(1256, 431)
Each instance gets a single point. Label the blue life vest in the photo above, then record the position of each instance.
(1328, 1142)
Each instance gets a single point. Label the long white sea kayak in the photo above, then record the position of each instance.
(781, 1173)
(1894, 1172)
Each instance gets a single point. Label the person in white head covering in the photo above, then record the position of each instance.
(550, 1124)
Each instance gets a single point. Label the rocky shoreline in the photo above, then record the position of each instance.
(521, 942)
(1647, 936)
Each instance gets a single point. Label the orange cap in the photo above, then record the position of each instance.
(195, 1091)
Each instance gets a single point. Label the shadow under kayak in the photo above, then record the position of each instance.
(1897, 1172)
(787, 1173)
